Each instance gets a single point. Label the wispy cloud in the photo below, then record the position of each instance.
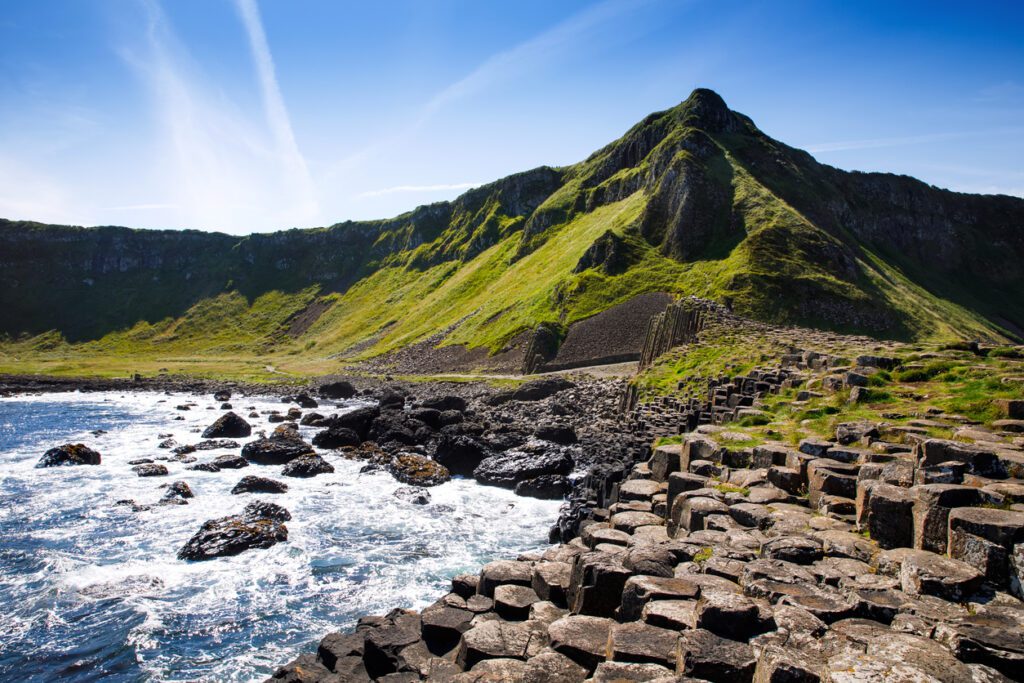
(530, 54)
(296, 171)
(877, 143)
(417, 188)
(224, 170)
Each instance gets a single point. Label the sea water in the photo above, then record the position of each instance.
(90, 590)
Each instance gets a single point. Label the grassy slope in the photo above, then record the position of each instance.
(482, 288)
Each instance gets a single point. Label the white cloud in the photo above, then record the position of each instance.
(221, 169)
(417, 188)
(296, 171)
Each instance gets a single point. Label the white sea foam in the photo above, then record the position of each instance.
(98, 589)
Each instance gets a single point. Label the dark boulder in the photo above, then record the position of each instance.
(358, 420)
(214, 444)
(254, 484)
(389, 398)
(313, 420)
(413, 494)
(69, 454)
(307, 466)
(430, 417)
(222, 395)
(417, 470)
(228, 461)
(450, 417)
(556, 433)
(461, 454)
(337, 390)
(508, 468)
(445, 403)
(232, 535)
(178, 490)
(306, 401)
(150, 470)
(228, 426)
(336, 437)
(548, 487)
(208, 466)
(275, 451)
(261, 509)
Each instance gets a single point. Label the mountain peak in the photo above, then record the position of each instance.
(706, 109)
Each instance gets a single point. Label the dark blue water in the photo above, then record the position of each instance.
(93, 591)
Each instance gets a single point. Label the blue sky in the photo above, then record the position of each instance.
(252, 115)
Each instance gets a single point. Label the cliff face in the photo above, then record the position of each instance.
(692, 200)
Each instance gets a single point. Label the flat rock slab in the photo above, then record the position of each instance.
(925, 573)
(642, 643)
(702, 654)
(513, 602)
(582, 639)
(640, 590)
(501, 572)
(629, 521)
(492, 640)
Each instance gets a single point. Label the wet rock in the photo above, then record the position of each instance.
(215, 444)
(178, 490)
(336, 436)
(307, 466)
(275, 451)
(206, 467)
(413, 494)
(509, 468)
(150, 470)
(228, 426)
(460, 453)
(313, 420)
(233, 535)
(583, 639)
(69, 454)
(306, 401)
(254, 484)
(417, 470)
(222, 395)
(546, 487)
(358, 420)
(261, 509)
(230, 461)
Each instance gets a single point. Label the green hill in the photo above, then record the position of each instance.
(694, 200)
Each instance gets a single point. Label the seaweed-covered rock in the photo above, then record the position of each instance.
(275, 450)
(307, 466)
(417, 470)
(254, 484)
(233, 535)
(69, 454)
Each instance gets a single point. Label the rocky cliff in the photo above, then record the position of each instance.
(695, 200)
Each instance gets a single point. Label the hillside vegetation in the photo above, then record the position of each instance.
(692, 200)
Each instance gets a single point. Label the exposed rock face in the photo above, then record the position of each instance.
(257, 527)
(228, 426)
(307, 466)
(341, 389)
(417, 470)
(532, 460)
(336, 437)
(253, 484)
(69, 454)
(276, 450)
